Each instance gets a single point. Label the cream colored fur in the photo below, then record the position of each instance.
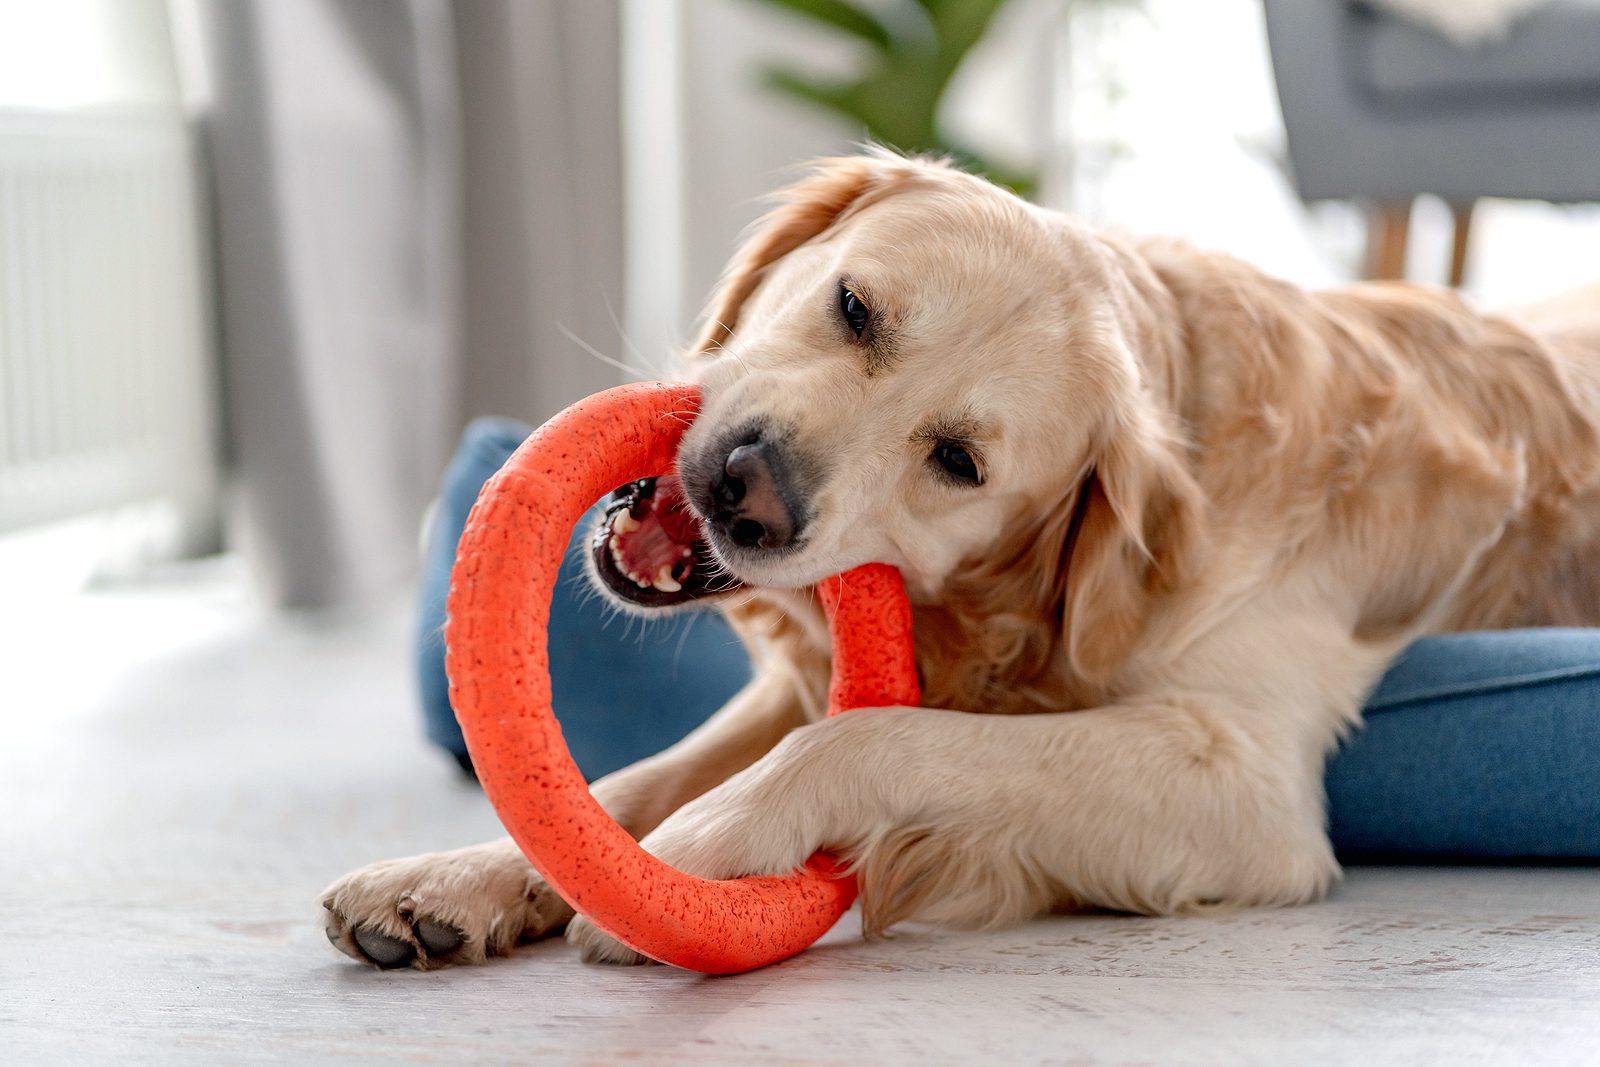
(1215, 507)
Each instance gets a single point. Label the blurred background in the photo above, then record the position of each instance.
(261, 262)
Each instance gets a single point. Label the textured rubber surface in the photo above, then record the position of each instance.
(497, 661)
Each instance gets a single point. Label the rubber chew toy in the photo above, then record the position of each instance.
(497, 660)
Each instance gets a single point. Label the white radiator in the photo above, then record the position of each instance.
(106, 385)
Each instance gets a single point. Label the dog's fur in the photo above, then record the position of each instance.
(1215, 507)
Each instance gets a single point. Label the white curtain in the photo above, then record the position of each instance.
(412, 200)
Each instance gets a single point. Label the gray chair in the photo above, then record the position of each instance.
(1382, 111)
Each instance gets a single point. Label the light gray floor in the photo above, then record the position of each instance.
(168, 822)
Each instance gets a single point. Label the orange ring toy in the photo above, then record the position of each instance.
(497, 661)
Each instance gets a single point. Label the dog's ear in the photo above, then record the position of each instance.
(1135, 538)
(832, 189)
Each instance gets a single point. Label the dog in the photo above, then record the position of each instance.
(1164, 521)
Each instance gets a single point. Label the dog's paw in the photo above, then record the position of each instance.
(597, 946)
(731, 831)
(441, 909)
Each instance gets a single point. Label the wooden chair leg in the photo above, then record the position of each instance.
(1387, 230)
(1458, 246)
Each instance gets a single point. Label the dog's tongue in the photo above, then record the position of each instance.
(652, 542)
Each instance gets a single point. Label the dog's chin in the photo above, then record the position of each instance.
(649, 553)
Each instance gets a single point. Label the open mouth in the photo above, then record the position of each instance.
(648, 550)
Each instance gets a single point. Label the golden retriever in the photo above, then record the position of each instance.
(1164, 519)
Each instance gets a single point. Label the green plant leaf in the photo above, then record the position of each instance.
(831, 97)
(895, 98)
(841, 15)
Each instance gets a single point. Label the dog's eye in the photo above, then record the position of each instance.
(854, 311)
(957, 462)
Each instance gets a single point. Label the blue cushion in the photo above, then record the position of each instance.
(1480, 745)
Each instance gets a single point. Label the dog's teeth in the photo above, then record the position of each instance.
(639, 580)
(664, 580)
(685, 552)
(624, 522)
(614, 544)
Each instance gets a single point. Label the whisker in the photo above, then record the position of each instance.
(659, 370)
(634, 372)
(683, 639)
(732, 350)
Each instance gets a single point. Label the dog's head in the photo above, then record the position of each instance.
(907, 364)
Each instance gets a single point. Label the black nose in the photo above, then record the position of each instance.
(752, 497)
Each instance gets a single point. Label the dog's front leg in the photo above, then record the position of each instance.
(1158, 806)
(463, 906)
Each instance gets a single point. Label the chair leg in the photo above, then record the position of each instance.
(1388, 227)
(1458, 246)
